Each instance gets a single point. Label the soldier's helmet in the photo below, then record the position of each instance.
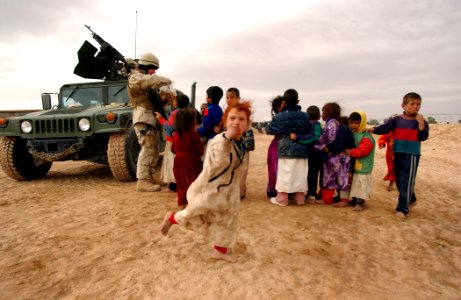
(131, 62)
(148, 59)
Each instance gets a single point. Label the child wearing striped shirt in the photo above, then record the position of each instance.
(409, 129)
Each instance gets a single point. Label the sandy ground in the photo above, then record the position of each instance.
(79, 234)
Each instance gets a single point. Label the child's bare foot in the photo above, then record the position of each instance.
(358, 207)
(390, 187)
(166, 224)
(167, 190)
(310, 199)
(341, 203)
(227, 257)
(400, 215)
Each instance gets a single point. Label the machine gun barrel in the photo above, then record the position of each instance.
(107, 63)
(105, 45)
(96, 36)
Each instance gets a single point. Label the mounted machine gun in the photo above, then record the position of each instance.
(106, 64)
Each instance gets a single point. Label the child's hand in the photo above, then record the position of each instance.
(233, 133)
(420, 119)
(157, 115)
(347, 151)
(293, 136)
(370, 129)
(217, 129)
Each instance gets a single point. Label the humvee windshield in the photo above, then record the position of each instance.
(84, 97)
(118, 94)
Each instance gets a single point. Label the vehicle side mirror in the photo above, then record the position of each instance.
(46, 101)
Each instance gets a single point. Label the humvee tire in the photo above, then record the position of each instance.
(122, 154)
(18, 163)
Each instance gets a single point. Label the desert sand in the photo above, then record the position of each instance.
(80, 234)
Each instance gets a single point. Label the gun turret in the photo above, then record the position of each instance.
(105, 64)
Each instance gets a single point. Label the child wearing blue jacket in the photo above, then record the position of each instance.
(292, 156)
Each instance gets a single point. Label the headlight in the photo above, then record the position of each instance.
(3, 122)
(26, 126)
(84, 124)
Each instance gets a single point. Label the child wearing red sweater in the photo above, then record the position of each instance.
(364, 153)
(188, 149)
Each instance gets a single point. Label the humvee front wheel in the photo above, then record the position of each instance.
(122, 154)
(18, 163)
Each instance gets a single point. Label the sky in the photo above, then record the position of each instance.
(363, 54)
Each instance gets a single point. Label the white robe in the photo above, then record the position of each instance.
(291, 175)
(167, 174)
(214, 197)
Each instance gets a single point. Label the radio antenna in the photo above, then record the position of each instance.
(135, 33)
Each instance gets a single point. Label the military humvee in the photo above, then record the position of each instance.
(92, 121)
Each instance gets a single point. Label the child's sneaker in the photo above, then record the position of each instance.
(274, 201)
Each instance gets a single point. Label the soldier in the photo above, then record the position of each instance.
(141, 81)
(130, 64)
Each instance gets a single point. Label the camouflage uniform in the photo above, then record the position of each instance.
(145, 124)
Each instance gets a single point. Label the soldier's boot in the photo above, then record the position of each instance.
(156, 179)
(144, 185)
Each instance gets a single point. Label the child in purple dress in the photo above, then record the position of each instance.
(277, 105)
(336, 168)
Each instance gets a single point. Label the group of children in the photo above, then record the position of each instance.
(301, 157)
(339, 158)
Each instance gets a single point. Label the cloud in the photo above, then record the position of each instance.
(22, 18)
(364, 54)
(355, 52)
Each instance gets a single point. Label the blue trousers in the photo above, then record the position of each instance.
(406, 166)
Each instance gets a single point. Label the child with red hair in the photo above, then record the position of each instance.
(214, 197)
